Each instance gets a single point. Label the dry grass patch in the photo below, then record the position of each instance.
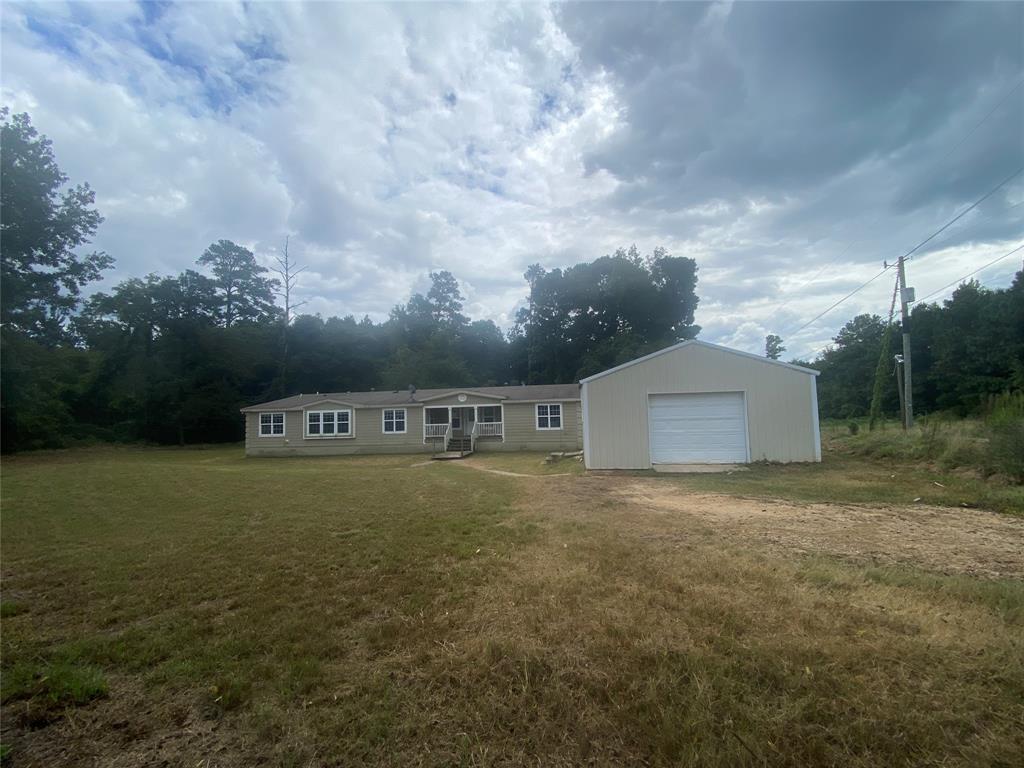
(944, 539)
(673, 647)
(845, 478)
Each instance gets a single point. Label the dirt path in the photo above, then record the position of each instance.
(943, 539)
(471, 465)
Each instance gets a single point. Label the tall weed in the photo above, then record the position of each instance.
(1005, 422)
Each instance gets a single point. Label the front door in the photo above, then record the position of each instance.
(462, 421)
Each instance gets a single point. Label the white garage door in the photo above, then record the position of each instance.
(705, 428)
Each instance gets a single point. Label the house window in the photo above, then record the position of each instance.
(271, 424)
(328, 423)
(394, 421)
(549, 416)
(489, 414)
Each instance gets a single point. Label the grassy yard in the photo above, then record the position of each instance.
(193, 607)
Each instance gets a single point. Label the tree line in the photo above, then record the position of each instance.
(171, 358)
(964, 351)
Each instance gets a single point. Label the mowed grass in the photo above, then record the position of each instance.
(351, 611)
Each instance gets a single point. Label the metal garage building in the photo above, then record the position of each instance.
(699, 403)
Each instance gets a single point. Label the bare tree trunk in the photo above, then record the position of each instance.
(289, 272)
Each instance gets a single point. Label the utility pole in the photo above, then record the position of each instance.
(906, 296)
(899, 384)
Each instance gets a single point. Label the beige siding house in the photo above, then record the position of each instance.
(699, 403)
(536, 417)
(692, 403)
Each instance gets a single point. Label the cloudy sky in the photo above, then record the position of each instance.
(790, 149)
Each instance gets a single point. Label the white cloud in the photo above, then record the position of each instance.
(393, 140)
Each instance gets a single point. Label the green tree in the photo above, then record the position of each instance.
(436, 363)
(847, 366)
(445, 300)
(977, 349)
(42, 224)
(596, 315)
(773, 347)
(245, 294)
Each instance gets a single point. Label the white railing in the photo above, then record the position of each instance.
(439, 433)
(490, 428)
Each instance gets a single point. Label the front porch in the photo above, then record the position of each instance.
(455, 429)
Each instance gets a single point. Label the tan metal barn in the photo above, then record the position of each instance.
(699, 403)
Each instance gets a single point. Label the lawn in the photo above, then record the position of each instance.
(194, 607)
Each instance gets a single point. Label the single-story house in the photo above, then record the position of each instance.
(699, 403)
(543, 417)
(692, 403)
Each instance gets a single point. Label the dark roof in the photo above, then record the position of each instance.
(424, 396)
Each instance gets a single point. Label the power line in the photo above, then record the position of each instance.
(931, 237)
(970, 274)
(851, 293)
(985, 118)
(875, 410)
(965, 211)
(786, 302)
(952, 149)
(994, 278)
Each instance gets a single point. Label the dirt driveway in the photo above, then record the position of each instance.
(942, 539)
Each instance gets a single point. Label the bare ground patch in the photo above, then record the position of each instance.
(943, 539)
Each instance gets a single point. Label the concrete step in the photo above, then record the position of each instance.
(451, 455)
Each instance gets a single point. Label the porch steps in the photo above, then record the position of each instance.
(457, 448)
(451, 455)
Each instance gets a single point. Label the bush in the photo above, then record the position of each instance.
(1005, 454)
(853, 426)
(963, 451)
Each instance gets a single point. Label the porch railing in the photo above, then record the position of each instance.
(438, 434)
(490, 428)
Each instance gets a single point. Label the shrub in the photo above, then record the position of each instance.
(1005, 453)
(963, 451)
(853, 426)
